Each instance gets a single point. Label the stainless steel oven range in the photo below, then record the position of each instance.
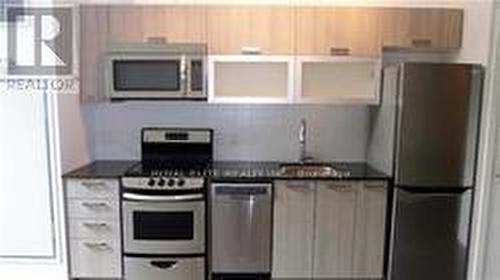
(164, 206)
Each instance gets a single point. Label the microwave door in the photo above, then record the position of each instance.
(148, 78)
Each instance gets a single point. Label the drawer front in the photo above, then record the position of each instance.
(95, 258)
(93, 209)
(164, 268)
(92, 228)
(93, 188)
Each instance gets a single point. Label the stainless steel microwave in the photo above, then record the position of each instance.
(173, 71)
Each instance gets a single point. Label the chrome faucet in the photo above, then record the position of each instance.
(302, 140)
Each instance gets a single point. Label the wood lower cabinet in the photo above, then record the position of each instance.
(335, 229)
(93, 216)
(250, 29)
(293, 229)
(370, 235)
(329, 229)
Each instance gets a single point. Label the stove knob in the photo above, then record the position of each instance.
(161, 182)
(181, 182)
(151, 182)
(170, 182)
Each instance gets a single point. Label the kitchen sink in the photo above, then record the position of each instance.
(308, 170)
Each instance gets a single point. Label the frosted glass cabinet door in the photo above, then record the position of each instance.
(26, 226)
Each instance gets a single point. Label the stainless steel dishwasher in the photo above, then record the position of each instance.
(241, 230)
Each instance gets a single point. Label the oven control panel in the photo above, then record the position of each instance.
(163, 183)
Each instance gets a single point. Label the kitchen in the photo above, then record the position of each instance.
(264, 169)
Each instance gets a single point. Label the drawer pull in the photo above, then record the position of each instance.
(341, 188)
(156, 40)
(251, 50)
(375, 186)
(94, 184)
(340, 51)
(95, 204)
(101, 246)
(169, 265)
(95, 225)
(421, 43)
(299, 187)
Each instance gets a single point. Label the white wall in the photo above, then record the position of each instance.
(492, 242)
(75, 150)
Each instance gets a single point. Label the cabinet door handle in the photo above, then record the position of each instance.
(95, 225)
(97, 245)
(156, 40)
(88, 184)
(374, 186)
(340, 188)
(183, 73)
(250, 50)
(421, 43)
(94, 204)
(299, 187)
(340, 51)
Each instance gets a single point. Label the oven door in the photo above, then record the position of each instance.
(162, 225)
(148, 76)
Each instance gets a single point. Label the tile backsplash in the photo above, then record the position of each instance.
(242, 132)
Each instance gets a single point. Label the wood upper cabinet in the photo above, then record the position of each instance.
(178, 23)
(241, 29)
(338, 31)
(361, 31)
(303, 30)
(93, 40)
(425, 29)
(173, 23)
(293, 229)
(125, 23)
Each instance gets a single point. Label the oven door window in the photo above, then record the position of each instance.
(146, 75)
(163, 225)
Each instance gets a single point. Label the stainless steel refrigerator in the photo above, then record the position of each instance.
(436, 128)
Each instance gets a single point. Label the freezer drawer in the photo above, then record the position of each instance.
(430, 235)
(241, 228)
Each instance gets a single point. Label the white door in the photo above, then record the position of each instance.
(25, 185)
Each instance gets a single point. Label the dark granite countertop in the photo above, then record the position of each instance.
(227, 170)
(101, 169)
(271, 170)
